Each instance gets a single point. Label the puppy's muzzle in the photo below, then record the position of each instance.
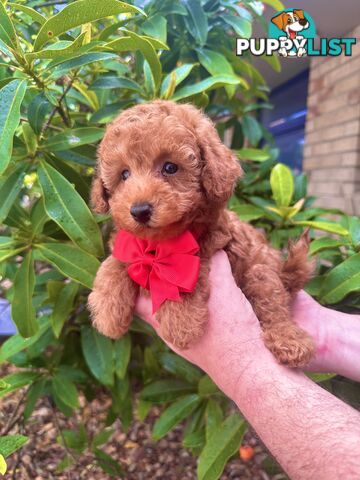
(303, 22)
(141, 212)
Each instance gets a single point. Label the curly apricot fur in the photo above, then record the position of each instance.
(140, 140)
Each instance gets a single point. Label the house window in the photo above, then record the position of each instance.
(286, 121)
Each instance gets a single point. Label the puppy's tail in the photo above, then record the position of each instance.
(297, 269)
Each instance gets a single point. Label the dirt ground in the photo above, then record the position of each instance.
(140, 456)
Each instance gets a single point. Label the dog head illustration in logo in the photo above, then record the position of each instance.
(292, 23)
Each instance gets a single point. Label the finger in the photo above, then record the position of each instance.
(220, 267)
(143, 308)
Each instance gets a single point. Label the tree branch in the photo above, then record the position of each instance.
(58, 109)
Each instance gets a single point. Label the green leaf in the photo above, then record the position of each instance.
(122, 351)
(254, 154)
(71, 261)
(110, 82)
(223, 443)
(287, 212)
(22, 309)
(66, 207)
(78, 13)
(242, 26)
(165, 391)
(156, 43)
(180, 74)
(282, 185)
(194, 439)
(11, 97)
(17, 343)
(174, 414)
(180, 367)
(77, 179)
(143, 409)
(248, 212)
(6, 242)
(58, 50)
(73, 138)
(78, 61)
(77, 440)
(10, 443)
(214, 417)
(30, 139)
(16, 381)
(155, 26)
(320, 377)
(108, 464)
(63, 307)
(196, 22)
(7, 30)
(204, 85)
(252, 129)
(81, 156)
(36, 390)
(136, 42)
(341, 280)
(107, 113)
(273, 61)
(216, 64)
(324, 243)
(98, 353)
(38, 108)
(36, 16)
(149, 84)
(5, 254)
(276, 4)
(324, 226)
(102, 437)
(66, 391)
(9, 190)
(207, 386)
(354, 230)
(38, 217)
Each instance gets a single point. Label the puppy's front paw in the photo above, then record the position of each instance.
(112, 324)
(294, 348)
(181, 327)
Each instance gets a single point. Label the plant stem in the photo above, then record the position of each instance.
(58, 109)
(52, 2)
(15, 416)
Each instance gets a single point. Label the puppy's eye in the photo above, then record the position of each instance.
(125, 174)
(289, 20)
(169, 168)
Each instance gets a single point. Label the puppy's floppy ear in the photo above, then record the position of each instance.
(280, 20)
(220, 167)
(99, 196)
(299, 13)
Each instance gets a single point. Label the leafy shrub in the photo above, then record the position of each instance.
(62, 78)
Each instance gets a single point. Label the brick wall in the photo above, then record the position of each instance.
(332, 140)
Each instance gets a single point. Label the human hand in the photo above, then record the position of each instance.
(233, 335)
(336, 334)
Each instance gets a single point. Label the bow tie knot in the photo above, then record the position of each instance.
(166, 268)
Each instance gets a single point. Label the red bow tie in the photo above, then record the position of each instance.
(166, 267)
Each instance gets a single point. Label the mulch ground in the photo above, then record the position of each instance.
(140, 456)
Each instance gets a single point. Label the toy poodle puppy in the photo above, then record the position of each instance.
(162, 171)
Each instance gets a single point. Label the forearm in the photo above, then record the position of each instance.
(337, 337)
(302, 424)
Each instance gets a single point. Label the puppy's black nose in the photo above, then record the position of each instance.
(141, 212)
(303, 22)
